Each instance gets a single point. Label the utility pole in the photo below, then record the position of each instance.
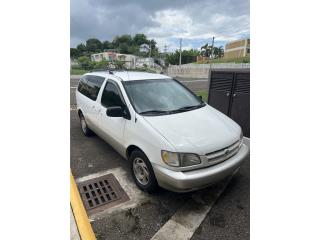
(180, 52)
(212, 47)
(150, 50)
(165, 48)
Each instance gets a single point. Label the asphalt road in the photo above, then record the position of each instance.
(228, 219)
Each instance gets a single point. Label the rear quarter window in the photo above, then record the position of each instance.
(90, 86)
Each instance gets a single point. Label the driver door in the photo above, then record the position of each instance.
(112, 128)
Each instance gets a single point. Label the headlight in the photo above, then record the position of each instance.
(189, 159)
(180, 159)
(170, 158)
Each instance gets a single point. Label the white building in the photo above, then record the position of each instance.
(145, 48)
(141, 62)
(128, 59)
(109, 56)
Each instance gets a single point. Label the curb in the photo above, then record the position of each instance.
(79, 212)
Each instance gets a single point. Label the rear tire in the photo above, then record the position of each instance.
(84, 127)
(142, 172)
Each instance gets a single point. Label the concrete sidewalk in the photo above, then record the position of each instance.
(74, 233)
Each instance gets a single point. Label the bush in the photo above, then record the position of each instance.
(119, 64)
(102, 64)
(85, 63)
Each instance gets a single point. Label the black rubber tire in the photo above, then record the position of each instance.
(152, 185)
(87, 131)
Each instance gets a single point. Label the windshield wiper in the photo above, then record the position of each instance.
(154, 112)
(187, 108)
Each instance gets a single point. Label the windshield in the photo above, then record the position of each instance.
(160, 96)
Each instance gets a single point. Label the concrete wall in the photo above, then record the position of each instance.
(200, 70)
(236, 44)
(237, 49)
(238, 53)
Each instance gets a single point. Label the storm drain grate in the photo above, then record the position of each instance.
(101, 191)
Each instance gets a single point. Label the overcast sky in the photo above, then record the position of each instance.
(195, 21)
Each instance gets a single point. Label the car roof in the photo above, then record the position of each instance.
(129, 75)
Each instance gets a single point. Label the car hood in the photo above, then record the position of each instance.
(200, 131)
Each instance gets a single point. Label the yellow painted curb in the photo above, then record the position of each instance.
(79, 212)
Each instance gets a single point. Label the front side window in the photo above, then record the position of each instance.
(161, 96)
(111, 96)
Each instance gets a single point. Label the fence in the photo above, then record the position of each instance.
(201, 70)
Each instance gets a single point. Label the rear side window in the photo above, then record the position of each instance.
(111, 96)
(90, 86)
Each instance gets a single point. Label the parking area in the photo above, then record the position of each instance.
(147, 216)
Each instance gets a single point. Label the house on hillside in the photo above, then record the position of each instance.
(237, 49)
(109, 56)
(128, 59)
(144, 48)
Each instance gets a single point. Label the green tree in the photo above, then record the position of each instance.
(126, 44)
(94, 45)
(107, 45)
(81, 48)
(124, 48)
(139, 39)
(74, 53)
(206, 50)
(123, 39)
(219, 52)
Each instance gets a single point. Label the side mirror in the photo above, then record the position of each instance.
(200, 97)
(116, 111)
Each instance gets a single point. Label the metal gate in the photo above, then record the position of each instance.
(229, 92)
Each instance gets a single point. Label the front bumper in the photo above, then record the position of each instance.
(200, 178)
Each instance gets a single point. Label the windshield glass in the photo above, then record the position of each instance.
(160, 96)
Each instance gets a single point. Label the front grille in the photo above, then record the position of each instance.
(223, 154)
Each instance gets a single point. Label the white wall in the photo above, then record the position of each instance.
(200, 70)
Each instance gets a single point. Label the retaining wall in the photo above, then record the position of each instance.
(200, 70)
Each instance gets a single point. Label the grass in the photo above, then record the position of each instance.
(77, 71)
(204, 95)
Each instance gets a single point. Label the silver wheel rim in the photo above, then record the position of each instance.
(141, 171)
(83, 125)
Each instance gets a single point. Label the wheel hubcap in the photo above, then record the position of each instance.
(83, 125)
(141, 171)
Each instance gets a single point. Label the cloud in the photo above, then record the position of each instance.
(165, 21)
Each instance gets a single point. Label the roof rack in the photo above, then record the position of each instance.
(110, 70)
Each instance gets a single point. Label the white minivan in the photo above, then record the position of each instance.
(169, 135)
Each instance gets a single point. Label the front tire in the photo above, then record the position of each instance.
(84, 127)
(142, 172)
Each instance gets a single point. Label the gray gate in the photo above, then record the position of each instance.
(229, 92)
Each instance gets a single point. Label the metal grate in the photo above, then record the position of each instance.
(100, 191)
